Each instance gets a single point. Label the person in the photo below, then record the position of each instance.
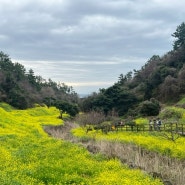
(155, 124)
(159, 124)
(150, 125)
(122, 123)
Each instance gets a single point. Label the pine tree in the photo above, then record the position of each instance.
(179, 34)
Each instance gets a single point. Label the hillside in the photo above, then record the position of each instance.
(23, 89)
(140, 92)
(160, 80)
(157, 150)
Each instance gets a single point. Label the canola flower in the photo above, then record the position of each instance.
(147, 140)
(28, 156)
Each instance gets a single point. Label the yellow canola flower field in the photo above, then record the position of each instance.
(149, 140)
(28, 156)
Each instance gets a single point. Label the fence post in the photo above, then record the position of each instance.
(176, 128)
(182, 129)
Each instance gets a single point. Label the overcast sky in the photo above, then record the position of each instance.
(87, 44)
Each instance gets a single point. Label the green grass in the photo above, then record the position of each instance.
(28, 156)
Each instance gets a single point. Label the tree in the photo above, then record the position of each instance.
(31, 76)
(19, 71)
(23, 89)
(122, 79)
(150, 108)
(169, 90)
(125, 101)
(179, 34)
(71, 109)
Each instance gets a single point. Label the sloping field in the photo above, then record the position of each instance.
(160, 142)
(158, 152)
(149, 140)
(28, 156)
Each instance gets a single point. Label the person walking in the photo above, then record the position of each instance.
(150, 125)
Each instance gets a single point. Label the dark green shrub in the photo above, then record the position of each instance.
(149, 108)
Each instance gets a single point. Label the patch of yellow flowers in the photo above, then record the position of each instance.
(147, 140)
(28, 156)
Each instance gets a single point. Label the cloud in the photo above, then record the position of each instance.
(76, 41)
(95, 83)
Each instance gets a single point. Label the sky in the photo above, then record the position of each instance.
(87, 44)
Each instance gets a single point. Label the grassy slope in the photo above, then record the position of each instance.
(154, 141)
(29, 157)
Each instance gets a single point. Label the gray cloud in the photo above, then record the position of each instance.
(80, 41)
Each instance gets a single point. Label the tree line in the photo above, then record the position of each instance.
(140, 92)
(22, 89)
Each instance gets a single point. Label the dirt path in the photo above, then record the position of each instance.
(171, 171)
(62, 131)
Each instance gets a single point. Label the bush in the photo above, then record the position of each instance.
(71, 109)
(141, 121)
(91, 118)
(172, 112)
(149, 108)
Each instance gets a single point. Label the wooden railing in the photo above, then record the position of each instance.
(165, 127)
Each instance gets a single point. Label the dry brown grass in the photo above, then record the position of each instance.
(168, 169)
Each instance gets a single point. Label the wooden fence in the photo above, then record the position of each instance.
(165, 127)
